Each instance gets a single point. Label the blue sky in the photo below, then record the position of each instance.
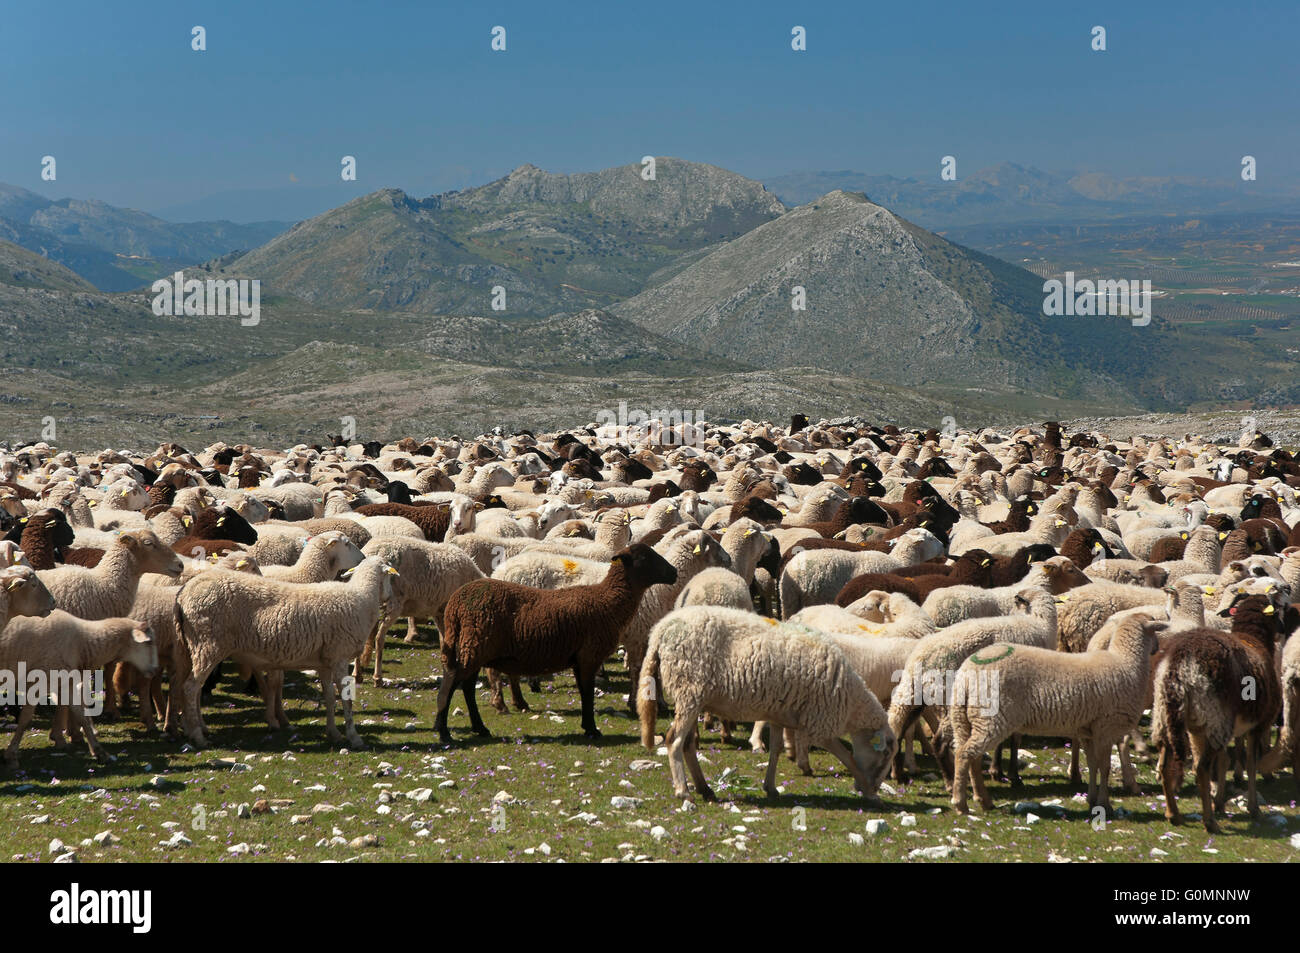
(136, 118)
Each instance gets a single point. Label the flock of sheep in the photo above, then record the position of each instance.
(818, 581)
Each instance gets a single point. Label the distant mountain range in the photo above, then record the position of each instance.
(117, 249)
(1012, 193)
(679, 291)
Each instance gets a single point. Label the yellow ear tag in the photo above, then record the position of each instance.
(1268, 610)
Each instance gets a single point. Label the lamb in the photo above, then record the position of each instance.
(931, 668)
(108, 590)
(61, 644)
(1216, 686)
(817, 575)
(1046, 528)
(269, 624)
(743, 667)
(520, 631)
(427, 575)
(438, 521)
(155, 605)
(956, 603)
(1097, 696)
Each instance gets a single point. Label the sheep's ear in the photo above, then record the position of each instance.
(142, 636)
(14, 583)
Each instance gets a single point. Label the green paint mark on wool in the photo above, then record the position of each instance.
(986, 661)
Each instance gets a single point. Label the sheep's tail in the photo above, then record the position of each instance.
(647, 701)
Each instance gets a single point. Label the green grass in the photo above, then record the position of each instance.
(550, 774)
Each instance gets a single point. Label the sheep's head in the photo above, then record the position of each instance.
(142, 652)
(644, 567)
(150, 554)
(873, 753)
(26, 593)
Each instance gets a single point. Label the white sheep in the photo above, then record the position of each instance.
(1008, 689)
(816, 576)
(427, 575)
(743, 667)
(67, 648)
(278, 625)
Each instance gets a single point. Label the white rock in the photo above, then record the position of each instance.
(621, 803)
(658, 832)
(877, 825)
(930, 853)
(856, 839)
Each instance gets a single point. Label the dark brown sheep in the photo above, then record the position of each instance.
(857, 510)
(526, 632)
(1244, 695)
(43, 537)
(1083, 545)
(971, 568)
(433, 519)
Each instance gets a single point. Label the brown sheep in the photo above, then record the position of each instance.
(1201, 685)
(526, 632)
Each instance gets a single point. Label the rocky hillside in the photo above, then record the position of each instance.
(891, 300)
(554, 242)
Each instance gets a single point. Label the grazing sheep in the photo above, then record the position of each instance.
(520, 631)
(427, 575)
(323, 558)
(743, 667)
(268, 624)
(1216, 686)
(1095, 696)
(62, 643)
(155, 605)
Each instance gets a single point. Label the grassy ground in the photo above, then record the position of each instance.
(552, 792)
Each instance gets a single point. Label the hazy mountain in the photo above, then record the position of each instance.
(25, 269)
(554, 242)
(1010, 192)
(891, 300)
(117, 249)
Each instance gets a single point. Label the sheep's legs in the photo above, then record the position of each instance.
(1075, 776)
(1219, 781)
(769, 779)
(756, 739)
(587, 691)
(1167, 770)
(445, 691)
(83, 724)
(1128, 776)
(469, 688)
(190, 712)
(24, 719)
(676, 758)
(1253, 741)
(411, 632)
(1206, 765)
(693, 763)
(339, 672)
